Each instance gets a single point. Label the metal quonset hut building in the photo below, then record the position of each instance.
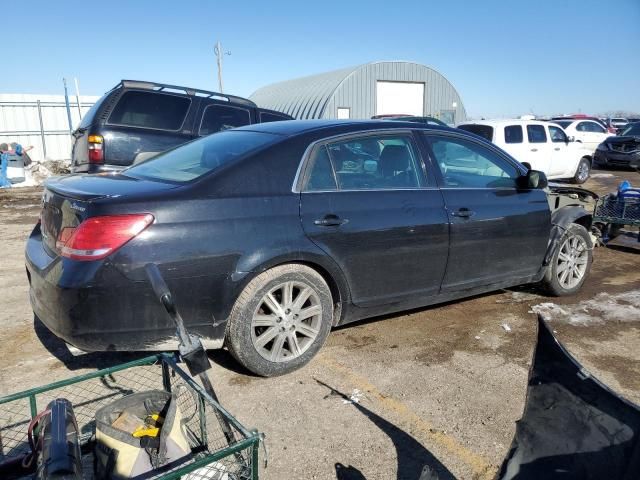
(363, 91)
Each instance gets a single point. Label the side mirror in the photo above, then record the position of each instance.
(533, 180)
(571, 139)
(527, 165)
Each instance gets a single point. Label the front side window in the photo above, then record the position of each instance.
(557, 135)
(384, 162)
(199, 157)
(466, 164)
(536, 134)
(222, 117)
(159, 111)
(513, 134)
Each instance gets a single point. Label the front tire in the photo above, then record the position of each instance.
(280, 320)
(570, 263)
(582, 172)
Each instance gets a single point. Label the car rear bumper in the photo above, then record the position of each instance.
(92, 306)
(616, 158)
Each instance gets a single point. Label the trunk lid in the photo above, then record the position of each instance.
(67, 201)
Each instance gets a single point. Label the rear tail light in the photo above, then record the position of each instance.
(96, 150)
(98, 237)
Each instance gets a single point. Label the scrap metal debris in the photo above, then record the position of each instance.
(506, 327)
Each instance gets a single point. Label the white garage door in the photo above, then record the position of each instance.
(399, 97)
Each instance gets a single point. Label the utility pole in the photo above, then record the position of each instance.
(66, 103)
(219, 53)
(78, 98)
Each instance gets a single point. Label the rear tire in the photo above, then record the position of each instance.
(570, 263)
(280, 320)
(582, 172)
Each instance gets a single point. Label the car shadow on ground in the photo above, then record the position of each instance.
(414, 461)
(100, 360)
(97, 360)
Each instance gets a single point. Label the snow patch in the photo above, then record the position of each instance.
(604, 307)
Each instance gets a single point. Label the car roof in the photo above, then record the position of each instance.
(501, 122)
(295, 127)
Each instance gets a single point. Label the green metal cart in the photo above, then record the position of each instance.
(212, 458)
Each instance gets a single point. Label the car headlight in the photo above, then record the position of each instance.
(603, 147)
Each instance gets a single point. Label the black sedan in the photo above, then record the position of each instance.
(622, 150)
(269, 235)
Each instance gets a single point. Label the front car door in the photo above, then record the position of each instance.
(367, 203)
(539, 147)
(499, 233)
(563, 156)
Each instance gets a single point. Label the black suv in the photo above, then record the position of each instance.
(136, 120)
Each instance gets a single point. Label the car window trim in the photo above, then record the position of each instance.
(301, 177)
(215, 104)
(427, 135)
(108, 122)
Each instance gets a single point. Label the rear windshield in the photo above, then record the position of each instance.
(272, 117)
(631, 130)
(155, 110)
(563, 123)
(195, 159)
(485, 131)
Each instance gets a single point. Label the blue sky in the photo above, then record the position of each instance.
(504, 57)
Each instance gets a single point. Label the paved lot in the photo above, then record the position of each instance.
(441, 386)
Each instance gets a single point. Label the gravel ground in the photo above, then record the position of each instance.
(441, 386)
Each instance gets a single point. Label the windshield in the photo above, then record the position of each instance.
(632, 130)
(195, 159)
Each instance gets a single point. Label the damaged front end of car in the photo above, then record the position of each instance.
(573, 426)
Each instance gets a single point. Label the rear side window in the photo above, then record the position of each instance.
(583, 127)
(536, 134)
(564, 124)
(160, 111)
(485, 131)
(271, 117)
(223, 117)
(195, 159)
(321, 177)
(367, 163)
(513, 134)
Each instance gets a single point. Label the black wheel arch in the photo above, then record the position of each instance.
(560, 220)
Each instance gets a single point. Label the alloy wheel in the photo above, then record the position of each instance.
(286, 321)
(583, 172)
(572, 262)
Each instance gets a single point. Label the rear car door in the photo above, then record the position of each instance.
(498, 232)
(366, 202)
(146, 122)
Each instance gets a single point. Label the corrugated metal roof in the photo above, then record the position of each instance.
(302, 98)
(320, 96)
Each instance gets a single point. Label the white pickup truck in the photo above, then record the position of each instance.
(543, 145)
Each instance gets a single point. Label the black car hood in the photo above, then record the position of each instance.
(91, 187)
(573, 426)
(561, 188)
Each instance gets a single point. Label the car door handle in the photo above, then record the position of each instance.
(534, 149)
(557, 148)
(464, 213)
(330, 221)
